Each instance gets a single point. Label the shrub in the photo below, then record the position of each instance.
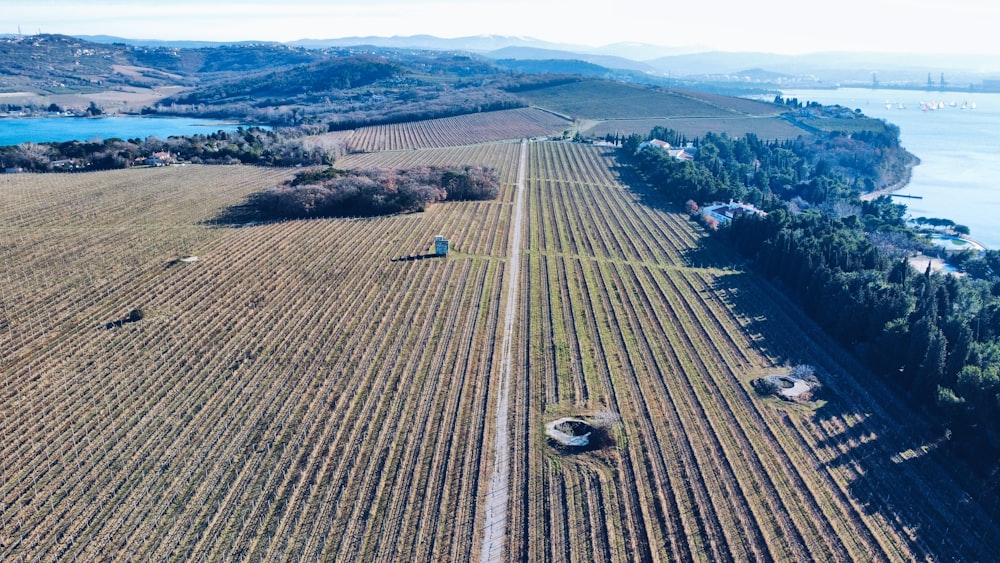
(691, 207)
(364, 193)
(765, 387)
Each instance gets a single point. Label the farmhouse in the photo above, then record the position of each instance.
(681, 154)
(686, 153)
(725, 212)
(655, 144)
(157, 159)
(66, 164)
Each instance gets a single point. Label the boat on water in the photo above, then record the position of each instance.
(934, 105)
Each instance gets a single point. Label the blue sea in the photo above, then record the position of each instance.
(959, 150)
(14, 131)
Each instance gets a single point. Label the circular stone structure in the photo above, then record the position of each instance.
(789, 387)
(570, 432)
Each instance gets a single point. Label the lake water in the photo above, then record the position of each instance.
(959, 149)
(14, 131)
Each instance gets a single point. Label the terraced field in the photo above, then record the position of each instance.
(320, 390)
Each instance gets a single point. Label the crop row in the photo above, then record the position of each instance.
(592, 100)
(486, 127)
(323, 390)
(71, 239)
(860, 436)
(297, 391)
(579, 208)
(622, 317)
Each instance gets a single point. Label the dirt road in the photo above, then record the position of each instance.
(496, 497)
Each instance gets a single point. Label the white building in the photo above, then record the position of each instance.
(655, 144)
(686, 153)
(725, 212)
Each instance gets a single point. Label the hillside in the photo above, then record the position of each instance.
(605, 108)
(258, 82)
(347, 87)
(61, 64)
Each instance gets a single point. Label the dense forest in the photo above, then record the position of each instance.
(363, 193)
(348, 88)
(846, 261)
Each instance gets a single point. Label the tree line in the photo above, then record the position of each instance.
(815, 170)
(252, 145)
(846, 263)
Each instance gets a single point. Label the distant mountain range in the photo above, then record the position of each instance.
(821, 69)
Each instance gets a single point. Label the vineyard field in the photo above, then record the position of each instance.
(327, 389)
(468, 129)
(595, 99)
(629, 310)
(302, 390)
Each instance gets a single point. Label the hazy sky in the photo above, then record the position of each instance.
(912, 26)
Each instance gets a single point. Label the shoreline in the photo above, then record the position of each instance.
(888, 190)
(902, 184)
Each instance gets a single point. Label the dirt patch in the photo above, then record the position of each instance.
(921, 261)
(789, 387)
(141, 71)
(124, 99)
(18, 95)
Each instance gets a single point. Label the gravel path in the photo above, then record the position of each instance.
(496, 497)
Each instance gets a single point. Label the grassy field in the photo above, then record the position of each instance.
(322, 390)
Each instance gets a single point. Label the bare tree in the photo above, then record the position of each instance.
(33, 156)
